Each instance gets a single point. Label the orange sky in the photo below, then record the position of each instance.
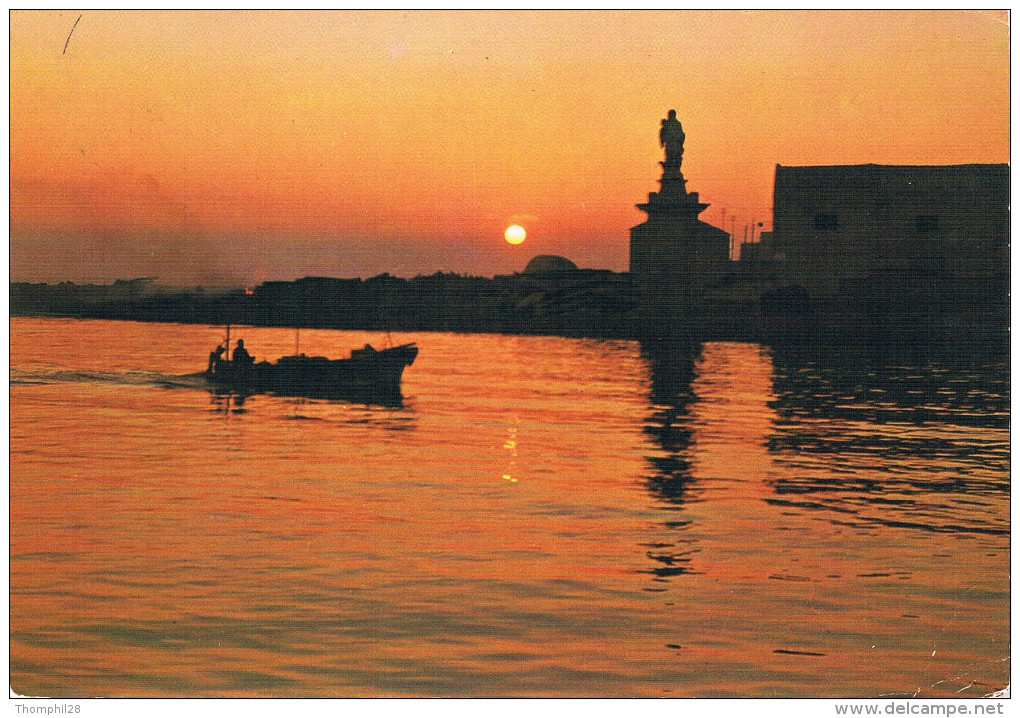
(242, 146)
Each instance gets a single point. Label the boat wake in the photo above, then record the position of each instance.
(29, 377)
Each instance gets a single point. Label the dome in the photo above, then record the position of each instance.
(546, 263)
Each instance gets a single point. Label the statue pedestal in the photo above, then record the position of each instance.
(674, 256)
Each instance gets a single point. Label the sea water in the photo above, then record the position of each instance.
(539, 516)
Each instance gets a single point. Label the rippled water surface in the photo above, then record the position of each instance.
(540, 517)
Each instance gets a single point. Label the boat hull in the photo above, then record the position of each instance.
(368, 374)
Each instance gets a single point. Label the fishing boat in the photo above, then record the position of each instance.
(369, 373)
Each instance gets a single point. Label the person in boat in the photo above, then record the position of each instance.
(241, 356)
(215, 357)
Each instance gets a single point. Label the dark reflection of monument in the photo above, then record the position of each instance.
(674, 255)
(671, 364)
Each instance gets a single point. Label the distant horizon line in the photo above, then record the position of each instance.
(209, 285)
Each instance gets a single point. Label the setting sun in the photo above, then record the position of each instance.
(515, 234)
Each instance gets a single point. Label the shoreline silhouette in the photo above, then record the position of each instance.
(577, 303)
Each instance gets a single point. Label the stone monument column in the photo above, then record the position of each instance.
(674, 256)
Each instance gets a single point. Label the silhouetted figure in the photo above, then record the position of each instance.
(671, 136)
(215, 356)
(241, 356)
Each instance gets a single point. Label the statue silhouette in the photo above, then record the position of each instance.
(671, 136)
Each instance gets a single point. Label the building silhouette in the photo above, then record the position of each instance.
(837, 227)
